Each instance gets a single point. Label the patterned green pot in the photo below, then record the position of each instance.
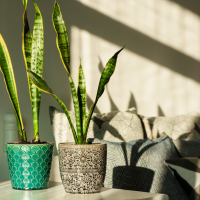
(82, 167)
(29, 165)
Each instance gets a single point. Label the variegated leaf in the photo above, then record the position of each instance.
(105, 77)
(82, 95)
(63, 48)
(42, 85)
(9, 79)
(33, 50)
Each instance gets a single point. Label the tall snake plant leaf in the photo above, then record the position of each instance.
(33, 50)
(42, 85)
(9, 79)
(63, 48)
(25, 3)
(105, 77)
(82, 95)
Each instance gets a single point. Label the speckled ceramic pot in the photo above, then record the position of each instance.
(29, 165)
(82, 167)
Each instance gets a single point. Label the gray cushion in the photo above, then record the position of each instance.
(139, 165)
(187, 172)
(113, 126)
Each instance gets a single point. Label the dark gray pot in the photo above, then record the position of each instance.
(82, 167)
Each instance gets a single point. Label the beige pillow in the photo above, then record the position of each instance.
(179, 127)
(114, 126)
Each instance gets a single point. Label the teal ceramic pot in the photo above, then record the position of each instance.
(29, 165)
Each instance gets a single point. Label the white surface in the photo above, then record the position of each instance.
(55, 172)
(56, 191)
(10, 135)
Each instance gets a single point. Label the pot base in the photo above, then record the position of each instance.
(83, 183)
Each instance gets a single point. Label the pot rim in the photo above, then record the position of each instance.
(17, 143)
(70, 144)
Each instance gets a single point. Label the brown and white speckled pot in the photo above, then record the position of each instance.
(82, 167)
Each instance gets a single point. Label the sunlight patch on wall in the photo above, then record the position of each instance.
(137, 81)
(162, 20)
(80, 51)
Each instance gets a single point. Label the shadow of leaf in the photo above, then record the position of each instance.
(160, 111)
(99, 122)
(89, 102)
(132, 102)
(112, 103)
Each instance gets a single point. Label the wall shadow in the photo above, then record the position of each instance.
(132, 102)
(193, 6)
(160, 112)
(103, 26)
(113, 106)
(89, 103)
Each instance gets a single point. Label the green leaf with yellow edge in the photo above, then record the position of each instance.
(33, 50)
(42, 85)
(62, 42)
(82, 95)
(105, 77)
(25, 3)
(9, 79)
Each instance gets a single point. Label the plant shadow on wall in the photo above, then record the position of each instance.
(99, 122)
(113, 106)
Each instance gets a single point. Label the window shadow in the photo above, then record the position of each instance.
(190, 5)
(105, 27)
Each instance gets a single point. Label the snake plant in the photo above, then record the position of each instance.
(79, 95)
(33, 50)
(32, 47)
(9, 79)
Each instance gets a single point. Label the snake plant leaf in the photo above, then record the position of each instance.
(26, 39)
(105, 77)
(9, 79)
(25, 3)
(64, 50)
(62, 40)
(42, 85)
(33, 50)
(82, 95)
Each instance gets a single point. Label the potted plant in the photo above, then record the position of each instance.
(82, 165)
(29, 162)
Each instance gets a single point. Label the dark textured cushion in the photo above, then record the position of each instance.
(189, 148)
(139, 165)
(187, 172)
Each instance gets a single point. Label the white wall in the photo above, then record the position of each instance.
(158, 72)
